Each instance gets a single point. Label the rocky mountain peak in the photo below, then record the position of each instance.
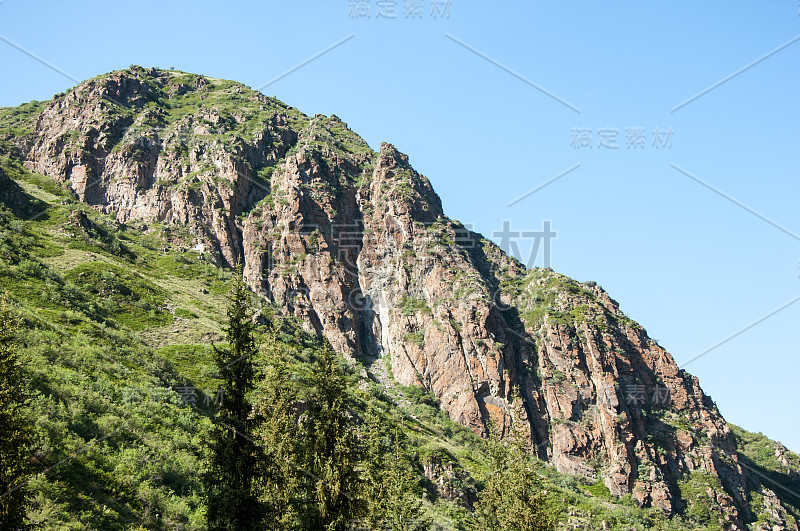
(355, 244)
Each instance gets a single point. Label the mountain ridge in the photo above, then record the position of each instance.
(354, 244)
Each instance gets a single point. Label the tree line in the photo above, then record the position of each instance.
(287, 456)
(292, 460)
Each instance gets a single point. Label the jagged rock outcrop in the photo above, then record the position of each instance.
(786, 464)
(773, 514)
(125, 146)
(356, 245)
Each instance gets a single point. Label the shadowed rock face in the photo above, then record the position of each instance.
(356, 245)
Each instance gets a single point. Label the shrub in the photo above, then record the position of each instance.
(410, 305)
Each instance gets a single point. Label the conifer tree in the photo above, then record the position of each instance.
(15, 427)
(330, 448)
(280, 476)
(234, 456)
(391, 487)
(513, 498)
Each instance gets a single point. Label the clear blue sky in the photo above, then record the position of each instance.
(690, 265)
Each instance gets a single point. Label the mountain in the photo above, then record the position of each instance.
(144, 186)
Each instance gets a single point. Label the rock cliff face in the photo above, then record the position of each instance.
(355, 244)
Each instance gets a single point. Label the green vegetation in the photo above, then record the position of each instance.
(280, 480)
(234, 455)
(343, 137)
(183, 313)
(758, 455)
(391, 488)
(115, 443)
(415, 338)
(126, 297)
(598, 489)
(410, 305)
(16, 121)
(15, 426)
(544, 296)
(513, 498)
(695, 490)
(44, 185)
(331, 449)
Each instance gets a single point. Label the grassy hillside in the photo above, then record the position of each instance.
(116, 332)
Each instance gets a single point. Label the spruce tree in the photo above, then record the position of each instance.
(513, 498)
(234, 455)
(330, 448)
(280, 476)
(391, 487)
(15, 427)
